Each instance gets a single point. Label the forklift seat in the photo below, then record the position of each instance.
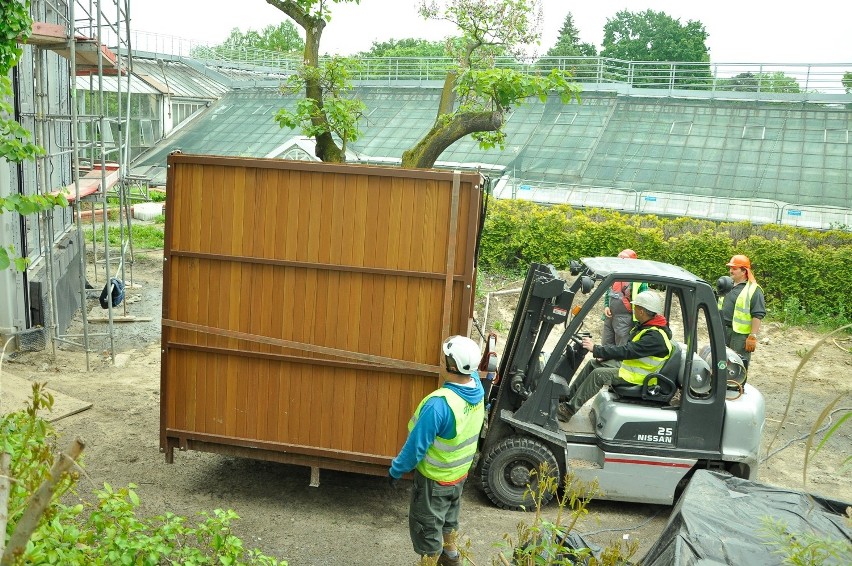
(665, 381)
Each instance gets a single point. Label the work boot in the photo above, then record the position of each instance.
(445, 560)
(564, 412)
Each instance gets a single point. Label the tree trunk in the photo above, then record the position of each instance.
(448, 95)
(443, 135)
(326, 148)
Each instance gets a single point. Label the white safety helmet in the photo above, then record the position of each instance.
(461, 355)
(650, 301)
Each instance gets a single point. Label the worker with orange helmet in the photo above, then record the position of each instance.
(618, 317)
(743, 308)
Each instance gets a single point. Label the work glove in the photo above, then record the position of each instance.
(392, 481)
(751, 343)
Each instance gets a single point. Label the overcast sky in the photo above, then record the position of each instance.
(740, 31)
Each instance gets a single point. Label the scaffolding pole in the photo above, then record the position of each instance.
(92, 26)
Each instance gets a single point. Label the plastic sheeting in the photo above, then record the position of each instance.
(721, 519)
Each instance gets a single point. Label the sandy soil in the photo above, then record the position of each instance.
(352, 519)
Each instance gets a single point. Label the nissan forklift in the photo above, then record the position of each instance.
(640, 443)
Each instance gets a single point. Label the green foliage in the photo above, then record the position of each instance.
(31, 204)
(846, 81)
(488, 30)
(157, 196)
(144, 236)
(654, 36)
(792, 312)
(15, 145)
(484, 89)
(804, 549)
(760, 82)
(543, 542)
(283, 38)
(406, 48)
(338, 114)
(105, 531)
(797, 268)
(568, 43)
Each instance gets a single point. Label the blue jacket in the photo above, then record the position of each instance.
(436, 419)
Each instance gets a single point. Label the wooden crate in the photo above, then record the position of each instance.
(305, 304)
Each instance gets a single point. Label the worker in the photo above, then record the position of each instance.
(743, 309)
(441, 444)
(618, 317)
(645, 352)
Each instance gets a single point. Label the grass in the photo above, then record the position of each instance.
(144, 236)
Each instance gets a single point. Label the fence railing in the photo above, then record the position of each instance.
(757, 211)
(736, 80)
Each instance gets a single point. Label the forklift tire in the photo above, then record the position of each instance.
(506, 472)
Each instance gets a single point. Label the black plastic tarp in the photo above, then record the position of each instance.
(721, 519)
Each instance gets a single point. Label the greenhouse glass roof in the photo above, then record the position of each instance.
(782, 151)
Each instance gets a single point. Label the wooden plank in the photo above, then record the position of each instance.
(312, 166)
(452, 237)
(44, 33)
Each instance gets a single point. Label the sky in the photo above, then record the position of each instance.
(740, 31)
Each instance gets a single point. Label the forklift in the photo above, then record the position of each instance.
(639, 443)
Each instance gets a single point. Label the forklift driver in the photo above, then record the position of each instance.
(647, 349)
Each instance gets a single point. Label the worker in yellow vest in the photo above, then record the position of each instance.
(618, 317)
(442, 439)
(645, 352)
(743, 309)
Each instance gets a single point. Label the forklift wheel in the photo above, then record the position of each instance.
(506, 472)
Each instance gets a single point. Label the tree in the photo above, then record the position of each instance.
(325, 110)
(406, 48)
(15, 144)
(654, 36)
(760, 82)
(477, 94)
(846, 81)
(568, 44)
(283, 38)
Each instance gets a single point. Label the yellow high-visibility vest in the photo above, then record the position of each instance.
(449, 459)
(741, 323)
(634, 371)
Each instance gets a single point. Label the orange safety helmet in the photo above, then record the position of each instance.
(627, 254)
(739, 261)
(744, 263)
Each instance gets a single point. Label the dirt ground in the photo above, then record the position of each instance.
(353, 519)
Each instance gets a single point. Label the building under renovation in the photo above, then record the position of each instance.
(108, 104)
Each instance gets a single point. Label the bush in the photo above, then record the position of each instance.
(809, 266)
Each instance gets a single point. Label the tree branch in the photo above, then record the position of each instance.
(5, 488)
(293, 11)
(39, 503)
(443, 135)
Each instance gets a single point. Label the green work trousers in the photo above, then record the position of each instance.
(591, 378)
(736, 342)
(434, 510)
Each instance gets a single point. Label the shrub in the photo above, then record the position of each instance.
(790, 263)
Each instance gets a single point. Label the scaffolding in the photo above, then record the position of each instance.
(80, 31)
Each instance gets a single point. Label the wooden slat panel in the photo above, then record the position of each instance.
(225, 207)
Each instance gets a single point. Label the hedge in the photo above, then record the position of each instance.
(807, 268)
